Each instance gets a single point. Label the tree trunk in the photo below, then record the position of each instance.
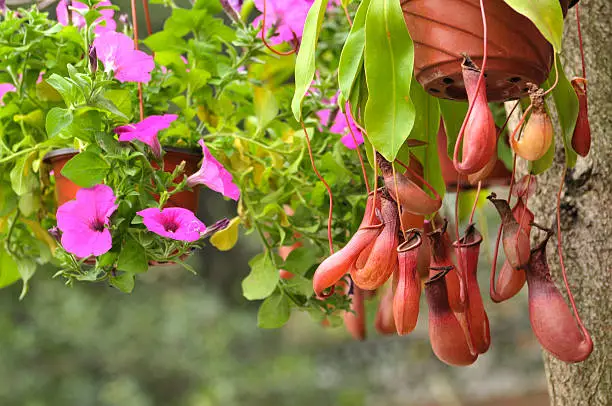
(586, 215)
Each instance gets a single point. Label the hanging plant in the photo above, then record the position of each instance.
(107, 145)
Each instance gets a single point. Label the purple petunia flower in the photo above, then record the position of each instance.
(341, 126)
(105, 22)
(4, 89)
(83, 221)
(117, 53)
(146, 131)
(214, 175)
(174, 222)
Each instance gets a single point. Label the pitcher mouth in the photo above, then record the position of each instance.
(469, 231)
(413, 241)
(444, 270)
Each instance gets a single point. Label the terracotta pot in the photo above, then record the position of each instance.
(500, 175)
(66, 190)
(442, 30)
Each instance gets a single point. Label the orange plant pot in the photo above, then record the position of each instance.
(442, 30)
(66, 190)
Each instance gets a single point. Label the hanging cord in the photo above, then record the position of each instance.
(349, 116)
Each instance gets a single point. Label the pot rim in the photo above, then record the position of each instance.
(56, 153)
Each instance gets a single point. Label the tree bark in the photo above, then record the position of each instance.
(586, 215)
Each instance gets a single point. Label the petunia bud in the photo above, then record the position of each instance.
(581, 140)
(479, 137)
(93, 59)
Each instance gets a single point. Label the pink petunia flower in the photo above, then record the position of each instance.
(83, 221)
(214, 175)
(4, 89)
(117, 53)
(146, 131)
(341, 126)
(105, 22)
(287, 16)
(174, 222)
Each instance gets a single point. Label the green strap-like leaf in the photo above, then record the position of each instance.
(389, 59)
(305, 61)
(546, 15)
(351, 58)
(567, 106)
(425, 129)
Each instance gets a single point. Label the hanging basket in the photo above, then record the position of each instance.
(443, 30)
(66, 190)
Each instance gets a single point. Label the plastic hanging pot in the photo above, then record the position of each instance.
(443, 30)
(66, 190)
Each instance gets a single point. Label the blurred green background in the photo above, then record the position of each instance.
(184, 339)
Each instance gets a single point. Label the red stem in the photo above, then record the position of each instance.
(399, 207)
(346, 13)
(475, 202)
(560, 251)
(518, 127)
(145, 5)
(329, 192)
(263, 36)
(581, 44)
(363, 169)
(457, 207)
(375, 187)
(556, 77)
(480, 78)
